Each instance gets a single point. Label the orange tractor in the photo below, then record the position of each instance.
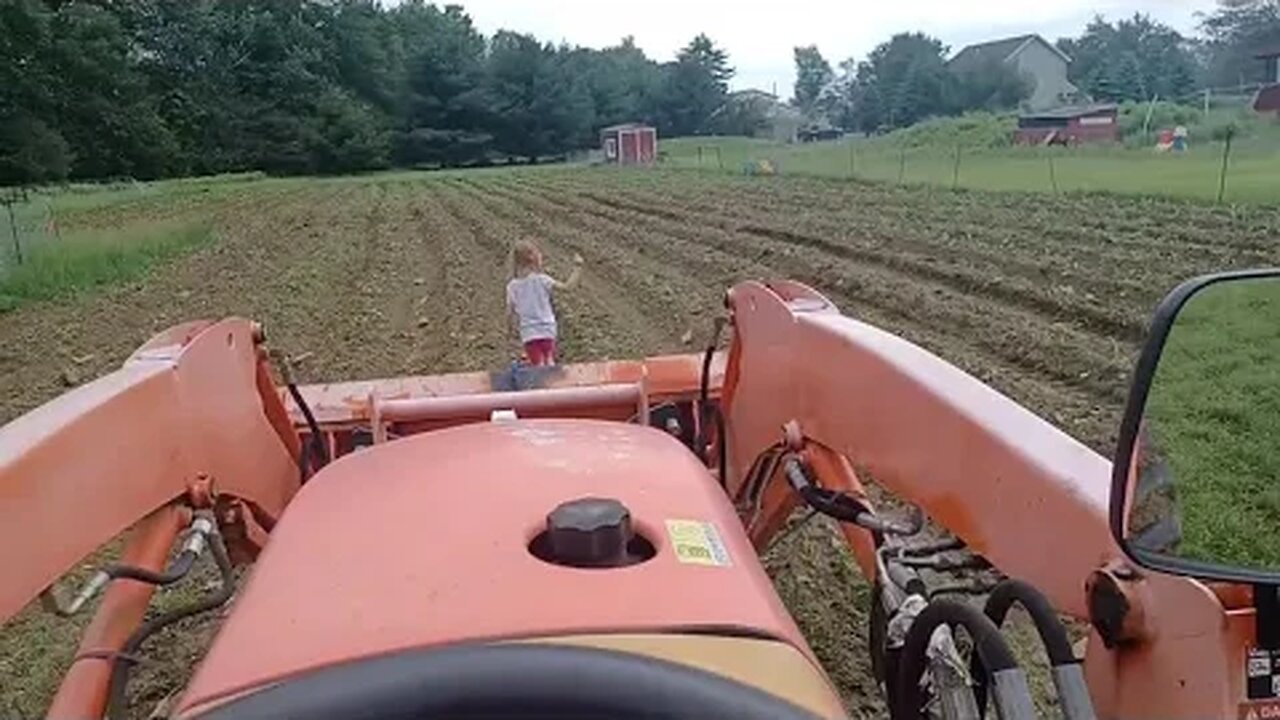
(582, 541)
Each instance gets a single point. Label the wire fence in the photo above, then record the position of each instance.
(1233, 170)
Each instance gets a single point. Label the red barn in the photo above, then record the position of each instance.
(1069, 125)
(629, 144)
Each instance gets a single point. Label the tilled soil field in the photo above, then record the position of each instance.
(1043, 297)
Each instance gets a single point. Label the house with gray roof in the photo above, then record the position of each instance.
(1031, 55)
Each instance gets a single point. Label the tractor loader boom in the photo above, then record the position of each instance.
(804, 400)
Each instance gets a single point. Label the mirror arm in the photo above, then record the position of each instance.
(1266, 602)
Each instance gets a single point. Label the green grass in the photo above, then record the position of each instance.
(1253, 175)
(1214, 416)
(87, 259)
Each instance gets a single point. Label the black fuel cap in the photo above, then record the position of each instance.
(589, 532)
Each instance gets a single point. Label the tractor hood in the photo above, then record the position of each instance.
(425, 541)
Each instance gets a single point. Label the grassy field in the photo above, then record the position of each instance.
(1253, 171)
(1043, 297)
(58, 253)
(1214, 414)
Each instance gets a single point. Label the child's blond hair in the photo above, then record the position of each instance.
(525, 258)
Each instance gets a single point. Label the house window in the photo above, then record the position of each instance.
(611, 148)
(1098, 120)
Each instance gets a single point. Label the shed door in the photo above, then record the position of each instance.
(630, 148)
(647, 149)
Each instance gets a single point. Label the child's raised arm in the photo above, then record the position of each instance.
(574, 277)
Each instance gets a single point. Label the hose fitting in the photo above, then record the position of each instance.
(201, 528)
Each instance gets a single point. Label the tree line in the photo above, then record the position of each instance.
(159, 88)
(907, 78)
(146, 89)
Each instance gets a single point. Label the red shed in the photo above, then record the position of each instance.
(1268, 97)
(1069, 125)
(629, 144)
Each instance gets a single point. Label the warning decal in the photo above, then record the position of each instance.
(1262, 672)
(1260, 710)
(697, 543)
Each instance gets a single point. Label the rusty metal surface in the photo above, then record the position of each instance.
(83, 693)
(79, 470)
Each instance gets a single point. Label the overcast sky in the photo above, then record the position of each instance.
(759, 36)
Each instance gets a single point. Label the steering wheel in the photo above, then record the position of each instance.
(517, 681)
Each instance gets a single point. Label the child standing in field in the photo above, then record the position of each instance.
(529, 301)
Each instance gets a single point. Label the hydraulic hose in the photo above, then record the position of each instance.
(704, 395)
(122, 664)
(177, 570)
(318, 450)
(317, 443)
(1067, 674)
(908, 701)
(722, 448)
(1052, 632)
(201, 528)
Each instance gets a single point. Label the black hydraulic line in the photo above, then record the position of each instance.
(837, 505)
(123, 661)
(722, 448)
(989, 645)
(704, 395)
(704, 392)
(318, 448)
(304, 462)
(177, 570)
(1053, 633)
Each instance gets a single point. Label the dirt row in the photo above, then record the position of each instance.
(1044, 298)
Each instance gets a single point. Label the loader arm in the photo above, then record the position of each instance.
(187, 408)
(1018, 491)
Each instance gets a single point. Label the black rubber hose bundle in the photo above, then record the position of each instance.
(989, 646)
(122, 663)
(1057, 644)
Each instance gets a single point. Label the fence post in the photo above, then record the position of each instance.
(1053, 174)
(1146, 123)
(53, 221)
(719, 158)
(1226, 157)
(902, 165)
(955, 173)
(9, 200)
(852, 163)
(699, 156)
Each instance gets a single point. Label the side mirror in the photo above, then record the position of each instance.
(1196, 480)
